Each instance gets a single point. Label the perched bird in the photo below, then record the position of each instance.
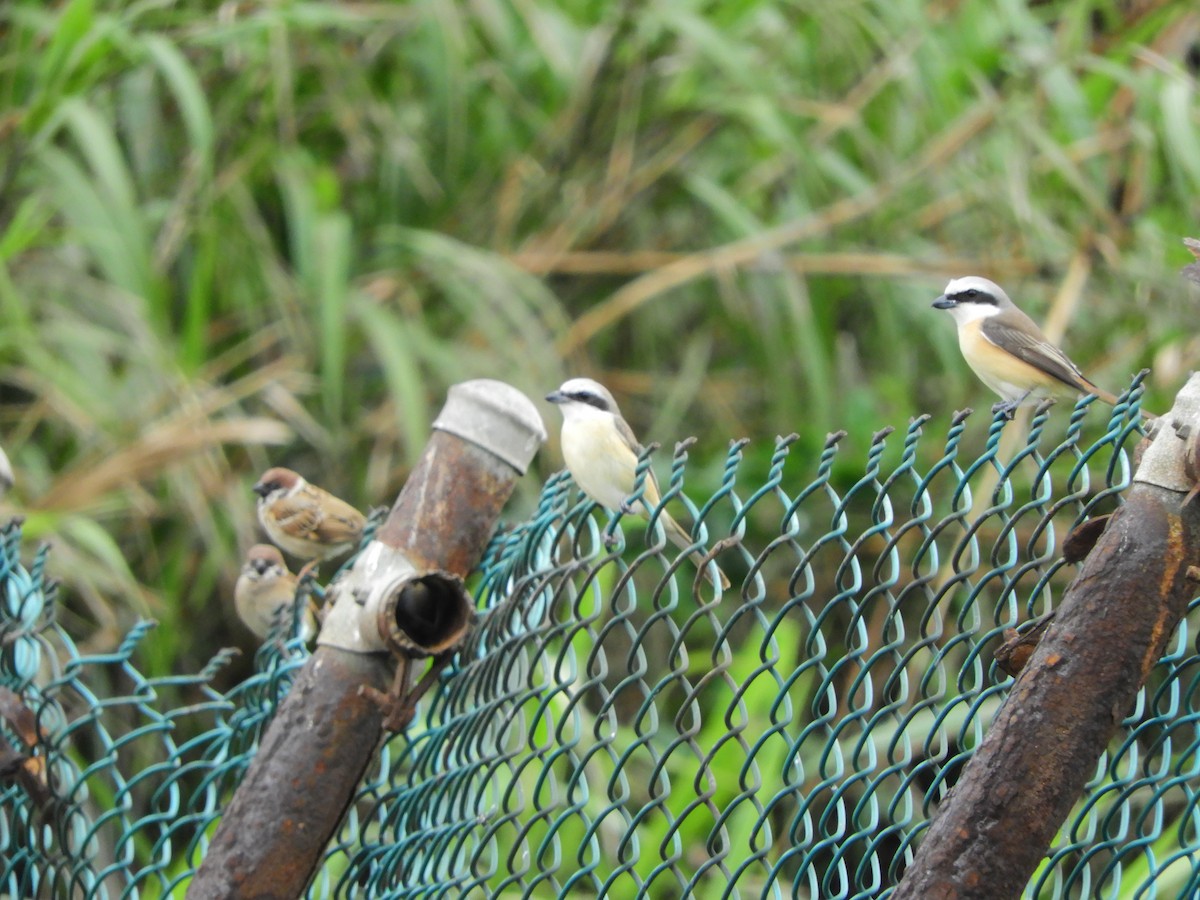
(1007, 350)
(264, 587)
(602, 453)
(304, 520)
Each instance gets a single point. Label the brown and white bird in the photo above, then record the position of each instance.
(264, 587)
(602, 453)
(304, 520)
(1007, 350)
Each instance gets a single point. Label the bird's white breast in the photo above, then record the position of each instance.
(600, 462)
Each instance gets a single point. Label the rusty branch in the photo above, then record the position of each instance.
(325, 734)
(1113, 623)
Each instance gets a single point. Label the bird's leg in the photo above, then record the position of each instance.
(1009, 407)
(306, 580)
(610, 535)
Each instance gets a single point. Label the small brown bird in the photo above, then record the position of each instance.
(264, 587)
(601, 453)
(304, 520)
(1007, 350)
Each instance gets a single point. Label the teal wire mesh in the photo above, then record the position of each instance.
(613, 728)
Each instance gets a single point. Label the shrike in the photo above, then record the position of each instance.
(1007, 350)
(602, 453)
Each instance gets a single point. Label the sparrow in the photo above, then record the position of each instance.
(264, 587)
(1007, 350)
(304, 520)
(602, 453)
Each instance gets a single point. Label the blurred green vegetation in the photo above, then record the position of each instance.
(253, 233)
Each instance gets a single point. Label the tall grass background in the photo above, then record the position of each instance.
(251, 233)
(277, 232)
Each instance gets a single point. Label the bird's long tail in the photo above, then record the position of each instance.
(681, 539)
(1111, 399)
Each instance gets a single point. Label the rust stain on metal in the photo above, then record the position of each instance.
(1163, 623)
(1112, 623)
(325, 734)
(297, 788)
(445, 514)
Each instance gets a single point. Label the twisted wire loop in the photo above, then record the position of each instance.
(616, 729)
(614, 726)
(121, 807)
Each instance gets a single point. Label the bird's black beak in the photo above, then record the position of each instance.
(260, 565)
(557, 397)
(261, 489)
(944, 302)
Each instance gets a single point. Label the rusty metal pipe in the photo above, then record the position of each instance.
(1112, 626)
(403, 597)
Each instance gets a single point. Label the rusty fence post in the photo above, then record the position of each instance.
(402, 600)
(1111, 627)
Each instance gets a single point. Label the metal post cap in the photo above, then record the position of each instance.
(496, 417)
(1176, 445)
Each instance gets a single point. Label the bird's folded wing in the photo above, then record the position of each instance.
(307, 521)
(342, 524)
(651, 494)
(1040, 354)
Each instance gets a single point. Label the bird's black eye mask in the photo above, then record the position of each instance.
(973, 295)
(590, 400)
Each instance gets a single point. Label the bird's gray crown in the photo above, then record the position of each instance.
(974, 289)
(586, 391)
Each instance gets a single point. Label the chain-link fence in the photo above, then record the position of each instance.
(611, 728)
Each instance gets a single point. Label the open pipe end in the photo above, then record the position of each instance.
(426, 615)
